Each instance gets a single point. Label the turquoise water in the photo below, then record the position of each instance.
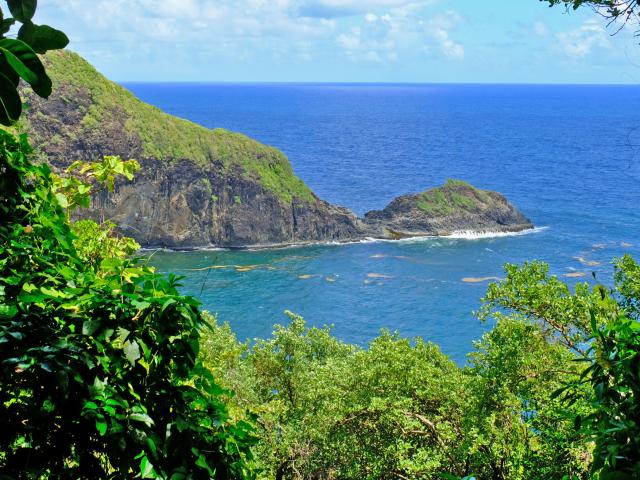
(566, 156)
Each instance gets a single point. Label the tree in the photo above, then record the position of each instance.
(601, 326)
(614, 10)
(401, 408)
(99, 370)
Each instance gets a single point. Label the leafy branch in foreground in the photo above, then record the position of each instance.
(19, 57)
(75, 187)
(99, 367)
(94, 242)
(623, 11)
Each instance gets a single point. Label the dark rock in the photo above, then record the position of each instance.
(454, 207)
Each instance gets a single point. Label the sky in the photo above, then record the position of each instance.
(466, 41)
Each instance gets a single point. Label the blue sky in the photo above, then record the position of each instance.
(345, 41)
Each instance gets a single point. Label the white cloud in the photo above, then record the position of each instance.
(224, 25)
(439, 28)
(338, 8)
(584, 39)
(164, 33)
(373, 40)
(385, 37)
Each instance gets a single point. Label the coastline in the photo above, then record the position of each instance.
(469, 235)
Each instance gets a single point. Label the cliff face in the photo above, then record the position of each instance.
(175, 207)
(454, 207)
(197, 187)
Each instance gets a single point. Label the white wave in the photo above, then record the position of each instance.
(471, 235)
(461, 235)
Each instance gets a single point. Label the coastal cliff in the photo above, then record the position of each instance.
(200, 188)
(196, 187)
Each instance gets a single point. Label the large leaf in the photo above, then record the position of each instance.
(27, 64)
(22, 10)
(42, 38)
(10, 103)
(9, 72)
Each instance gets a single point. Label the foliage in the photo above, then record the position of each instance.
(601, 326)
(95, 243)
(75, 187)
(622, 10)
(99, 370)
(19, 59)
(402, 409)
(454, 196)
(614, 377)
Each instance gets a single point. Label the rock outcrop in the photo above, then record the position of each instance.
(199, 187)
(454, 207)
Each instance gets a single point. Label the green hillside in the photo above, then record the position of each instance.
(165, 137)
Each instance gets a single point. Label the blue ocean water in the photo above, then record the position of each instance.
(567, 156)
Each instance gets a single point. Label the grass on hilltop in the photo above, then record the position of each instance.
(169, 138)
(452, 197)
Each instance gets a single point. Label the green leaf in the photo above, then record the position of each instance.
(42, 38)
(22, 10)
(101, 425)
(143, 418)
(10, 102)
(202, 463)
(146, 468)
(62, 200)
(90, 326)
(26, 63)
(8, 311)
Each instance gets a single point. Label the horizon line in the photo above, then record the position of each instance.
(372, 83)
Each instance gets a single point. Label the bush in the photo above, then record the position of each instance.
(99, 366)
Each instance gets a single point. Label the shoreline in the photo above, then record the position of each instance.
(469, 235)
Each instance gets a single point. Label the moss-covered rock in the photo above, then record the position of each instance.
(454, 207)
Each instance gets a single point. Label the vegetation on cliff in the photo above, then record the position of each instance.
(101, 103)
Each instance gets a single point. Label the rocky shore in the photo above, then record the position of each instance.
(213, 188)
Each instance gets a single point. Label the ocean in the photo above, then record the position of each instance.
(567, 156)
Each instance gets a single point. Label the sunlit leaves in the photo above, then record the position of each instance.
(97, 352)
